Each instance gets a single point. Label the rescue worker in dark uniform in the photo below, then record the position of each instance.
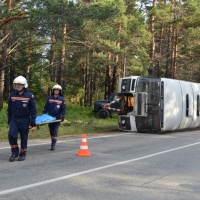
(55, 106)
(21, 115)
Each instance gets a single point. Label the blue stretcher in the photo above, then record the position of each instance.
(45, 119)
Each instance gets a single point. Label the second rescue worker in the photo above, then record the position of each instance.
(55, 106)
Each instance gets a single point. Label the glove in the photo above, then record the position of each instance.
(62, 119)
(32, 123)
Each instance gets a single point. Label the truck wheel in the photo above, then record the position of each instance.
(103, 114)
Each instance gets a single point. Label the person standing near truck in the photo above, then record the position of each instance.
(21, 114)
(55, 106)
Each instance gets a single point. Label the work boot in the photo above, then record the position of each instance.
(21, 158)
(52, 148)
(12, 158)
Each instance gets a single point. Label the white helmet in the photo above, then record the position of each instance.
(57, 87)
(20, 80)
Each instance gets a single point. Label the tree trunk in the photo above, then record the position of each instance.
(88, 78)
(52, 60)
(63, 51)
(84, 68)
(2, 72)
(29, 66)
(152, 52)
(7, 81)
(108, 79)
(115, 70)
(3, 63)
(168, 55)
(175, 49)
(123, 66)
(9, 3)
(8, 76)
(160, 50)
(91, 79)
(2, 75)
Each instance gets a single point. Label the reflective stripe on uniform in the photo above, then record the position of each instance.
(20, 98)
(23, 150)
(14, 146)
(56, 101)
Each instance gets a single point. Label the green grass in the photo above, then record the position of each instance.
(78, 120)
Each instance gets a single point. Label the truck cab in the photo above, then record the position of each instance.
(105, 113)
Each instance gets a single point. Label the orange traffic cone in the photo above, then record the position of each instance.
(83, 151)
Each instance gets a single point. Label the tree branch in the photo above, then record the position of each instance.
(7, 21)
(28, 46)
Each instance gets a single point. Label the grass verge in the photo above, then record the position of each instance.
(78, 120)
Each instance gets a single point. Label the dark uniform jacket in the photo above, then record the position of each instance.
(21, 106)
(55, 106)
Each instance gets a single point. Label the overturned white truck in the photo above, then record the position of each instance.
(158, 104)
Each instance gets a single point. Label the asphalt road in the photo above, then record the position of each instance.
(122, 165)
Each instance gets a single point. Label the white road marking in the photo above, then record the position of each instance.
(91, 170)
(89, 138)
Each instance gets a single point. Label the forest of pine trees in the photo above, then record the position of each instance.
(85, 46)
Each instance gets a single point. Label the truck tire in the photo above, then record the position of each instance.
(103, 114)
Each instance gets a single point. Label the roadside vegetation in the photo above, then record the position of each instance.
(78, 120)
